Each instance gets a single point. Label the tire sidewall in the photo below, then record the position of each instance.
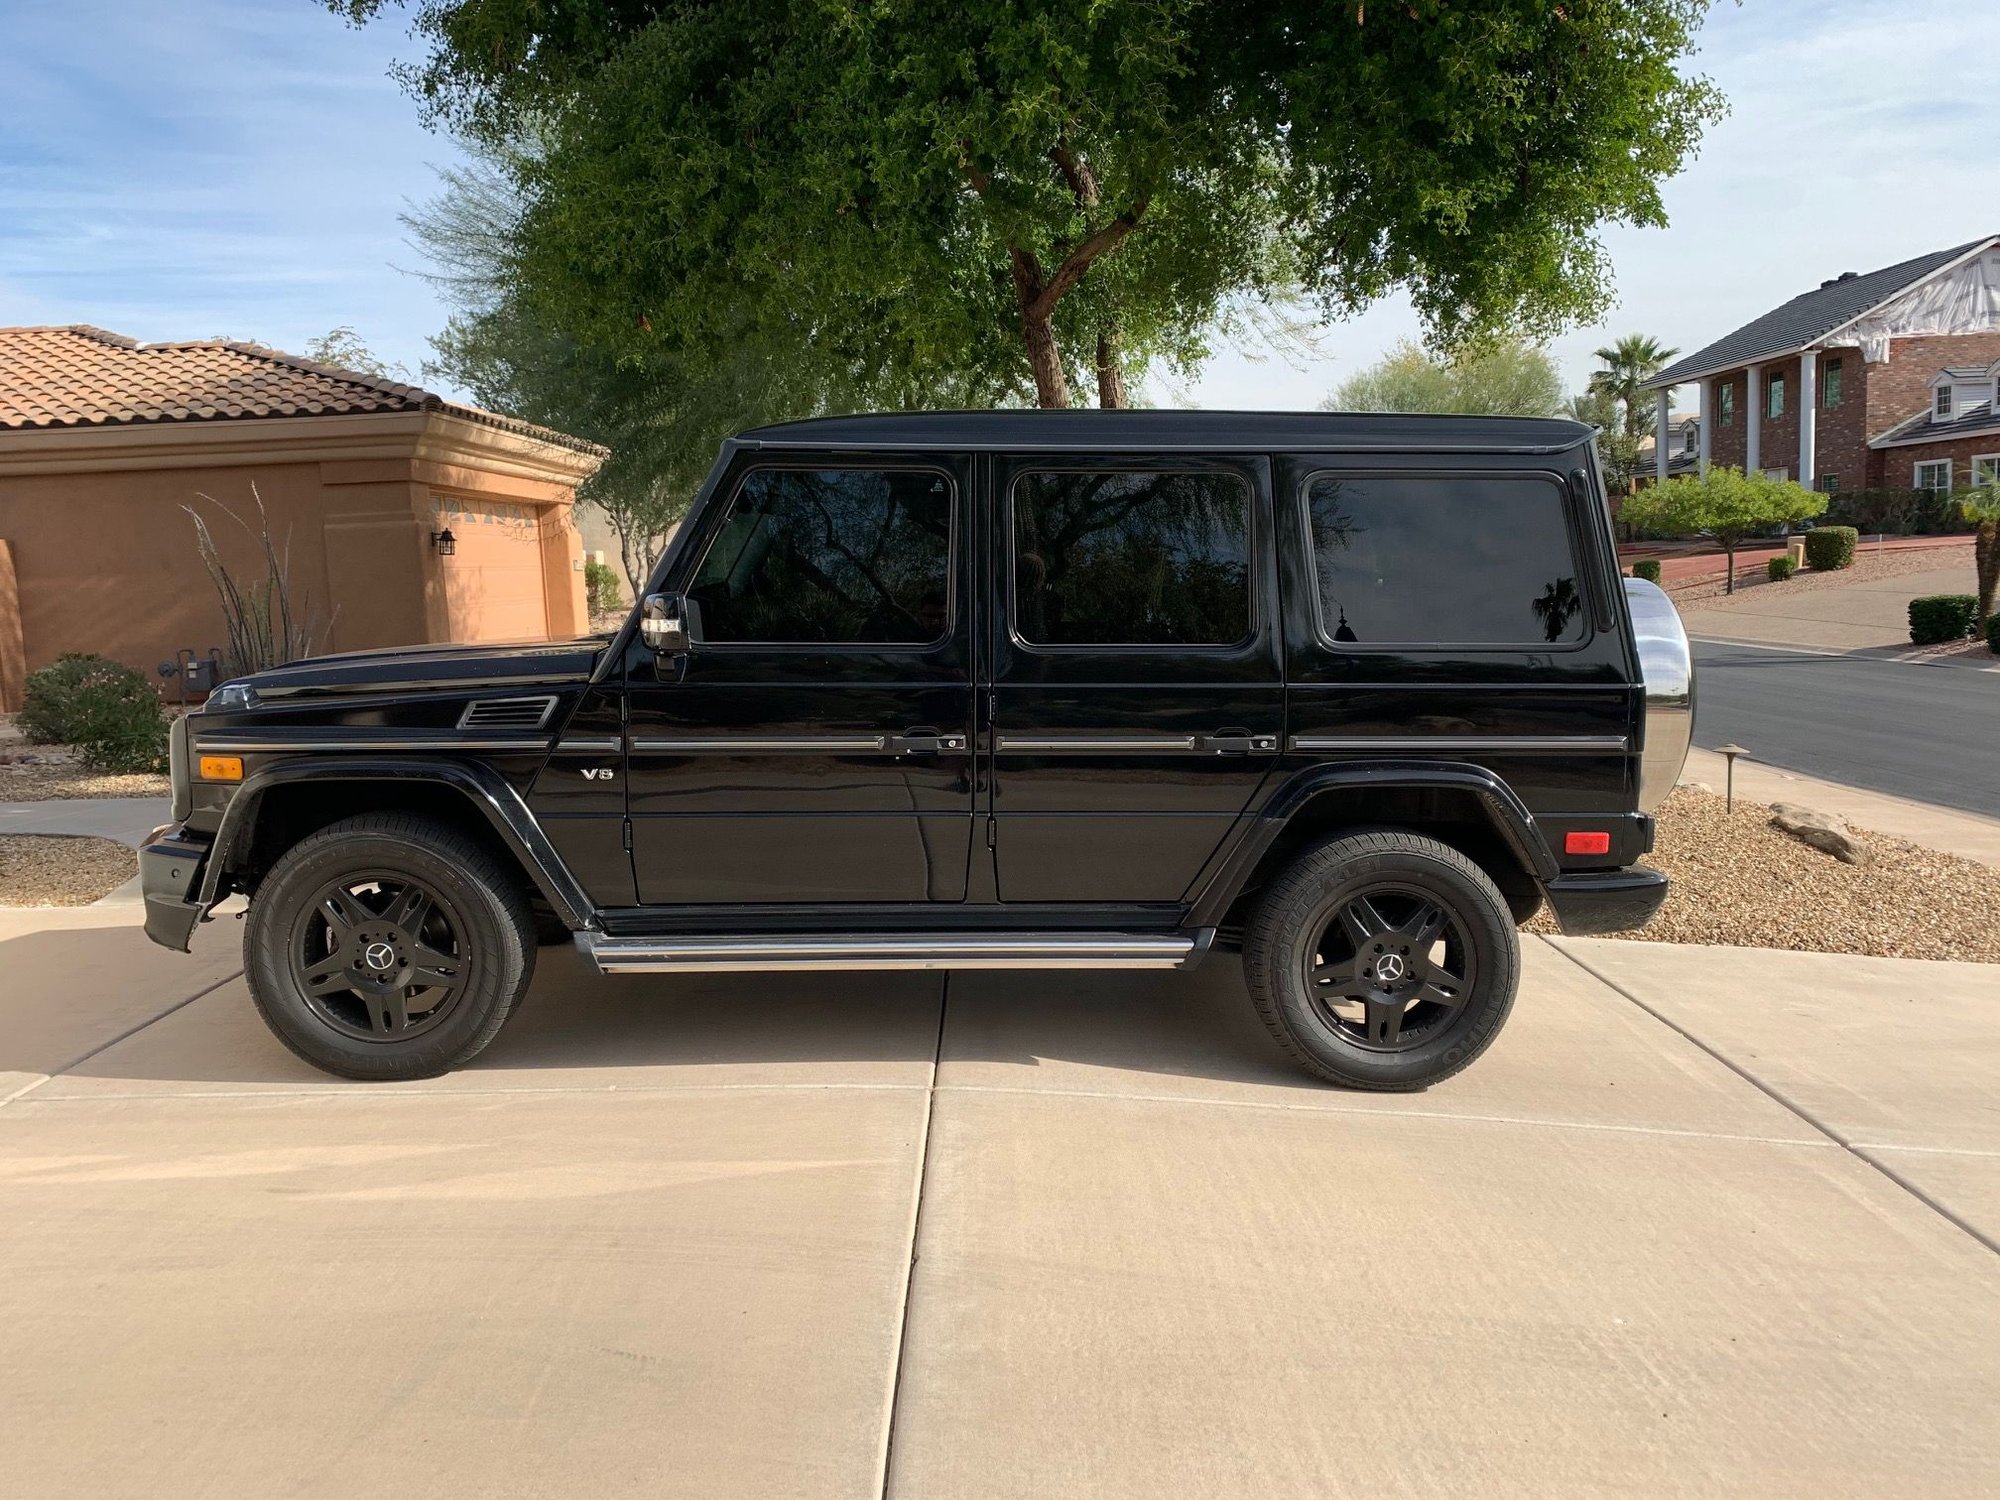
(498, 960)
(1288, 928)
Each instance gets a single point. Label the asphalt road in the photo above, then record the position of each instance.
(1930, 733)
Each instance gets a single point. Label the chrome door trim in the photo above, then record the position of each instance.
(608, 745)
(1046, 950)
(758, 744)
(1519, 744)
(1085, 744)
(453, 744)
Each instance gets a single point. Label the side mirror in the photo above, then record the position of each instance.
(663, 624)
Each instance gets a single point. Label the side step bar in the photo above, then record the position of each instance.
(941, 950)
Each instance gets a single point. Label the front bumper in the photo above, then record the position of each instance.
(170, 864)
(1589, 902)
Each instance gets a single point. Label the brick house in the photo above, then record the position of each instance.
(408, 518)
(1882, 380)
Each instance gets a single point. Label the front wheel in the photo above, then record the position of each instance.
(388, 947)
(1383, 960)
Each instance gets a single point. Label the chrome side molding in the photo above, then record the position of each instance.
(957, 950)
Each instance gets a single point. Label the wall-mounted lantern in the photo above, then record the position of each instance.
(445, 542)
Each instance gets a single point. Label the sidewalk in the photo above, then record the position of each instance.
(1705, 1222)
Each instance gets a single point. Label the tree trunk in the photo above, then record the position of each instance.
(1986, 565)
(1110, 376)
(1051, 385)
(1729, 553)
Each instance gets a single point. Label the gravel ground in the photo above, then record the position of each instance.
(1740, 882)
(48, 772)
(1867, 566)
(48, 869)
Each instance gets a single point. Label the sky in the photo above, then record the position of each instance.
(238, 168)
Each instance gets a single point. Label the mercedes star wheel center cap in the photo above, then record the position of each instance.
(1389, 968)
(380, 956)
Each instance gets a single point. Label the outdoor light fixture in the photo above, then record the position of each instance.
(445, 542)
(1729, 752)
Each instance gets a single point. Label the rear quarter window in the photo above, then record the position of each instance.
(1444, 560)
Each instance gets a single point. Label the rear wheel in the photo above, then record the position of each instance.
(388, 947)
(1383, 960)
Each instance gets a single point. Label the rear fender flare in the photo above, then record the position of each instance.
(1509, 816)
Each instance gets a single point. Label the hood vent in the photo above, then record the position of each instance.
(506, 713)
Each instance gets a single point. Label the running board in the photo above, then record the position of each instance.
(969, 950)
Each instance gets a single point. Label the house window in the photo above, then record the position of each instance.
(1986, 468)
(1726, 403)
(1832, 382)
(1690, 438)
(1829, 484)
(1778, 473)
(1941, 410)
(1774, 396)
(1934, 475)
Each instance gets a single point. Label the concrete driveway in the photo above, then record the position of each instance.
(1703, 1222)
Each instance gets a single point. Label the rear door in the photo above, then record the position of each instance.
(1136, 694)
(814, 743)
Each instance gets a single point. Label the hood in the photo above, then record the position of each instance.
(489, 664)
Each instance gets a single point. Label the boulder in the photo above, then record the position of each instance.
(1822, 830)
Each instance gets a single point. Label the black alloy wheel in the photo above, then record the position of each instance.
(380, 956)
(1382, 959)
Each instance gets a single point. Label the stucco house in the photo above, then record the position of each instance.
(1878, 380)
(408, 518)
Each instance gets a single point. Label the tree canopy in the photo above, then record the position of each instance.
(1024, 195)
(1510, 378)
(1727, 503)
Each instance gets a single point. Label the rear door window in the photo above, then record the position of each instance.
(1118, 557)
(1461, 560)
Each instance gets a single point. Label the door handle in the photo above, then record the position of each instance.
(1233, 741)
(924, 742)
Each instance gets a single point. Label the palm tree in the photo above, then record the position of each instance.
(1628, 365)
(1982, 508)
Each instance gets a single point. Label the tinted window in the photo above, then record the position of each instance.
(1473, 561)
(830, 556)
(1116, 558)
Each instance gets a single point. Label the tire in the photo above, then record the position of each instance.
(1388, 1002)
(356, 977)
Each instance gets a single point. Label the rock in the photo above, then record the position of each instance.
(1822, 830)
(1699, 786)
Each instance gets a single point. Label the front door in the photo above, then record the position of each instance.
(813, 744)
(1137, 693)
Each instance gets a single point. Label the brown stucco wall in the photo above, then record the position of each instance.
(106, 560)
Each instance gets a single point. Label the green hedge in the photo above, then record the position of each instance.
(107, 710)
(1830, 547)
(600, 582)
(1937, 618)
(1781, 568)
(1993, 634)
(1647, 568)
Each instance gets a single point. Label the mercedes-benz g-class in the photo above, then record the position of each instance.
(1018, 690)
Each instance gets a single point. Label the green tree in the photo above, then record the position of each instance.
(1728, 504)
(1509, 378)
(1031, 193)
(1625, 367)
(1617, 450)
(342, 348)
(1982, 507)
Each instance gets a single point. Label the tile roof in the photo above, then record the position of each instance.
(1809, 315)
(1921, 429)
(79, 376)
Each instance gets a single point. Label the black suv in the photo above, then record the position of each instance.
(1005, 690)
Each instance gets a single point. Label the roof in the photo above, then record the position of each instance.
(1961, 372)
(79, 376)
(1092, 429)
(1810, 315)
(1971, 422)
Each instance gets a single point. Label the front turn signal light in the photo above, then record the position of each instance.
(222, 768)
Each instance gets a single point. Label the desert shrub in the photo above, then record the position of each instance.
(1896, 512)
(1781, 568)
(1647, 568)
(1937, 618)
(107, 710)
(600, 584)
(1831, 547)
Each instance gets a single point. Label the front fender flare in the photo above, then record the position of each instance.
(1512, 822)
(494, 798)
